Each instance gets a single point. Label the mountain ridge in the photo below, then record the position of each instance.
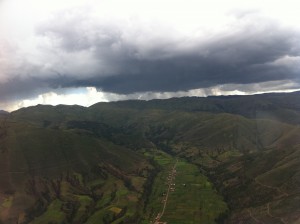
(108, 161)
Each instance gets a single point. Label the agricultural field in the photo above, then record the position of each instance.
(191, 199)
(175, 161)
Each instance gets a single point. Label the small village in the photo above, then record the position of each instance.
(170, 182)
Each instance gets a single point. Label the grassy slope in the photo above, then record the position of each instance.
(48, 178)
(283, 107)
(248, 159)
(263, 185)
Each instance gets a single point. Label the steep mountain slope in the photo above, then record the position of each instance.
(82, 165)
(283, 107)
(46, 170)
(261, 187)
(3, 113)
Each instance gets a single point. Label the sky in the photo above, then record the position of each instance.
(86, 51)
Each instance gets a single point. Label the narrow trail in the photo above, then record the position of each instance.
(271, 187)
(275, 217)
(269, 214)
(255, 219)
(268, 205)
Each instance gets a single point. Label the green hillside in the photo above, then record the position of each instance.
(55, 175)
(238, 161)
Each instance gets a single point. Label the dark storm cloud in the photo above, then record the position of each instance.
(20, 88)
(128, 61)
(242, 57)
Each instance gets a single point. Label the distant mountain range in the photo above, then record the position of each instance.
(3, 112)
(238, 161)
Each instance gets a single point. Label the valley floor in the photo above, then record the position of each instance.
(181, 194)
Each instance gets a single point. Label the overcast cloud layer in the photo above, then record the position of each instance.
(142, 50)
